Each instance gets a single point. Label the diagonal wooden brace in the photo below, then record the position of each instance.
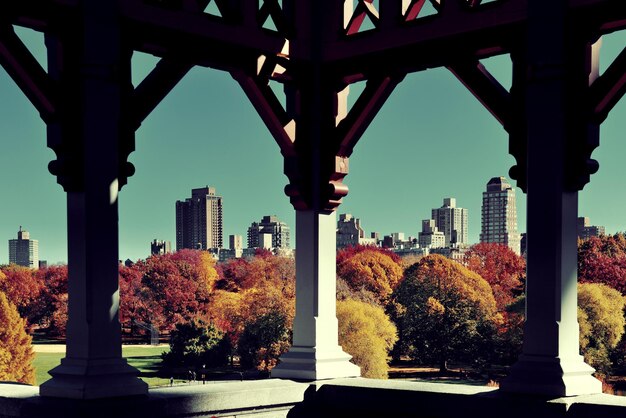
(27, 73)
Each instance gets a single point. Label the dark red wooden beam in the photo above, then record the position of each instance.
(280, 124)
(609, 88)
(369, 103)
(485, 88)
(27, 73)
(153, 89)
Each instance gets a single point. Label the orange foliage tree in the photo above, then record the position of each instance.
(16, 352)
(370, 269)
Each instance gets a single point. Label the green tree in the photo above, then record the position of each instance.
(263, 340)
(367, 334)
(447, 312)
(196, 343)
(601, 321)
(16, 351)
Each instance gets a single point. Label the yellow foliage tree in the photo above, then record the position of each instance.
(16, 351)
(367, 334)
(206, 269)
(601, 320)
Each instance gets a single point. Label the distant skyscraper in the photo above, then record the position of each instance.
(587, 231)
(24, 251)
(199, 220)
(499, 215)
(452, 221)
(269, 225)
(159, 247)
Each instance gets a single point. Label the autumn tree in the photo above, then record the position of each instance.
(601, 321)
(16, 352)
(22, 286)
(504, 270)
(449, 312)
(180, 283)
(263, 340)
(50, 308)
(138, 306)
(367, 334)
(252, 288)
(370, 269)
(603, 260)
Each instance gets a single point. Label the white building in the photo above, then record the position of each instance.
(452, 221)
(350, 233)
(431, 236)
(24, 251)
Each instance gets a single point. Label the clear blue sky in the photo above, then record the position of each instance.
(431, 140)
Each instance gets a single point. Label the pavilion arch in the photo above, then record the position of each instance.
(92, 112)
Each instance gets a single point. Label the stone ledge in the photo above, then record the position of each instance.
(365, 398)
(271, 398)
(345, 398)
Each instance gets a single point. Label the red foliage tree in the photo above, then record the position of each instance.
(504, 270)
(174, 288)
(22, 286)
(603, 260)
(51, 305)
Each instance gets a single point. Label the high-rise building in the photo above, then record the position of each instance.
(269, 225)
(499, 215)
(24, 251)
(452, 221)
(431, 236)
(199, 220)
(586, 231)
(160, 247)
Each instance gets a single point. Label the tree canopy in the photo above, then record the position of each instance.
(504, 270)
(367, 334)
(16, 352)
(370, 269)
(449, 312)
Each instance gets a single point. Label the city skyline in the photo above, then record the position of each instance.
(428, 142)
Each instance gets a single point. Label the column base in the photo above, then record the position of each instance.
(551, 377)
(309, 363)
(93, 379)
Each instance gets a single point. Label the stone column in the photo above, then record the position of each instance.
(92, 71)
(315, 353)
(556, 82)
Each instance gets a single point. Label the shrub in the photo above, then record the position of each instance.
(196, 343)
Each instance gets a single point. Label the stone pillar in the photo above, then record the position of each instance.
(92, 71)
(555, 94)
(315, 353)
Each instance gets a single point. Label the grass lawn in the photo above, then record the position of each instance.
(145, 358)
